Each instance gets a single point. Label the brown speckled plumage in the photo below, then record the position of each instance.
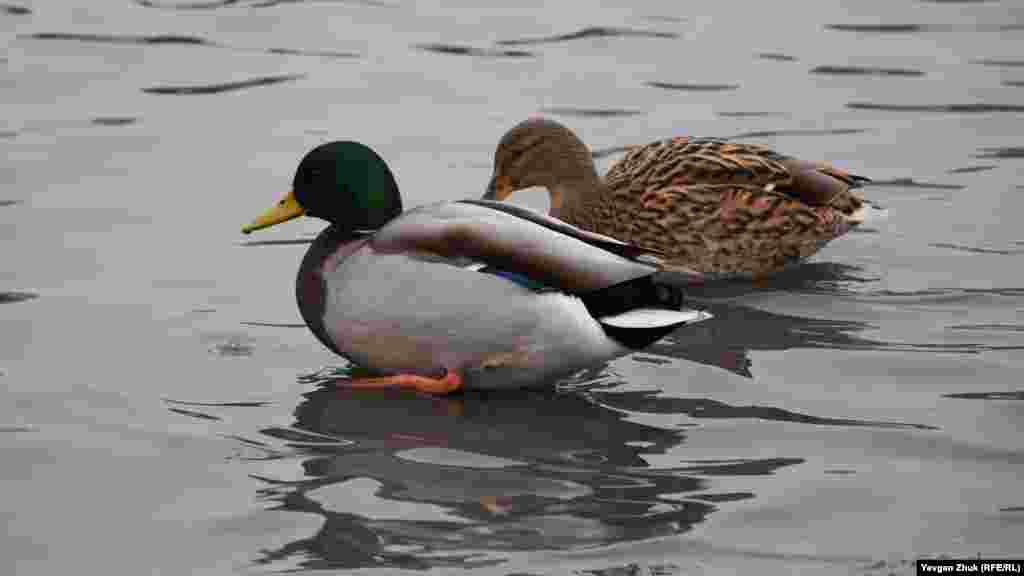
(713, 206)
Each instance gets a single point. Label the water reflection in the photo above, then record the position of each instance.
(776, 56)
(215, 4)
(204, 89)
(1005, 152)
(865, 71)
(727, 339)
(737, 329)
(885, 28)
(650, 402)
(15, 10)
(459, 50)
(995, 63)
(693, 87)
(972, 169)
(972, 108)
(591, 112)
(114, 120)
(978, 250)
(408, 481)
(911, 183)
(798, 132)
(590, 32)
(178, 40)
(11, 297)
(156, 40)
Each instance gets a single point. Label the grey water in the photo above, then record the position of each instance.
(163, 410)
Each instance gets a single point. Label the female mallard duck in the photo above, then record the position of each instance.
(711, 206)
(472, 294)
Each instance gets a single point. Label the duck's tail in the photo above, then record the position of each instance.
(852, 180)
(639, 312)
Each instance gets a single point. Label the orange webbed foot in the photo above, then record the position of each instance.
(449, 384)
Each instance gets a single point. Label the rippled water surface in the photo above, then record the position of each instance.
(163, 409)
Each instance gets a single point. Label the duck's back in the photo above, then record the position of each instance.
(726, 208)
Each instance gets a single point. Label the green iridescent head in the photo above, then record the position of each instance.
(345, 183)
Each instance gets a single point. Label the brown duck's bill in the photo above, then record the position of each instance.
(286, 209)
(499, 188)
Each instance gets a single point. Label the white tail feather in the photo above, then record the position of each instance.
(653, 318)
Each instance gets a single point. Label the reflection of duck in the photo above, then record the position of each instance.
(838, 306)
(736, 329)
(407, 293)
(713, 206)
(483, 472)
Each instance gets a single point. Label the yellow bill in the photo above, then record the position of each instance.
(285, 210)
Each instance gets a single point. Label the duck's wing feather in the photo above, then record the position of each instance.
(517, 240)
(613, 245)
(698, 161)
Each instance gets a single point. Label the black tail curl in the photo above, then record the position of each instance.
(643, 292)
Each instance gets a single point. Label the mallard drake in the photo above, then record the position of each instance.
(712, 206)
(473, 294)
